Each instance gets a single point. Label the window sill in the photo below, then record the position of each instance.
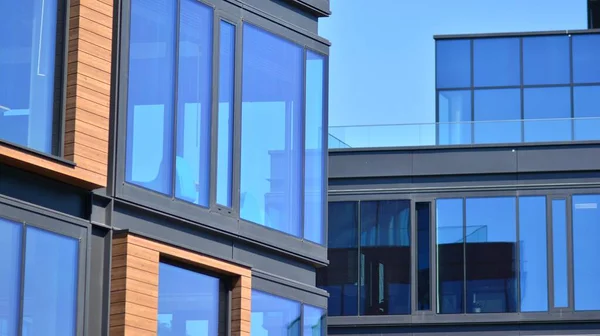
(42, 155)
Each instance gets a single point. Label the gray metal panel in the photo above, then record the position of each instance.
(461, 161)
(289, 289)
(370, 164)
(319, 7)
(291, 12)
(98, 303)
(559, 158)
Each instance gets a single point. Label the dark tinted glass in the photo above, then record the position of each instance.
(586, 101)
(497, 116)
(553, 104)
(546, 60)
(586, 68)
(559, 243)
(340, 278)
(454, 112)
(10, 281)
(453, 63)
(450, 256)
(491, 254)
(586, 269)
(385, 257)
(533, 266)
(423, 220)
(314, 321)
(274, 316)
(496, 62)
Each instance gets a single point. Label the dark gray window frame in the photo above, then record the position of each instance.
(31, 216)
(217, 217)
(432, 318)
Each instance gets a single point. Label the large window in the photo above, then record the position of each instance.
(30, 79)
(274, 316)
(586, 269)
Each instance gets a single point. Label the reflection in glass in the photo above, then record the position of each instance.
(496, 62)
(149, 142)
(453, 63)
(314, 146)
(497, 116)
(271, 162)
(274, 316)
(491, 254)
(586, 269)
(546, 60)
(450, 256)
(340, 278)
(225, 117)
(552, 103)
(188, 302)
(423, 220)
(533, 253)
(454, 113)
(586, 101)
(27, 72)
(586, 68)
(10, 281)
(314, 321)
(385, 257)
(559, 242)
(50, 290)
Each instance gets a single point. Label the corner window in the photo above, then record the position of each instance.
(453, 64)
(314, 321)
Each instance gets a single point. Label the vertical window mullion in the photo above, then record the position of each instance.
(214, 120)
(237, 119)
(302, 151)
(174, 144)
(22, 280)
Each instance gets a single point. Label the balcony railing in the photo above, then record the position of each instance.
(465, 133)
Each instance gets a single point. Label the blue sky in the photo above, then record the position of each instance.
(382, 57)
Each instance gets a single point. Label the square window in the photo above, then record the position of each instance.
(553, 104)
(497, 116)
(453, 63)
(546, 60)
(496, 62)
(586, 65)
(587, 112)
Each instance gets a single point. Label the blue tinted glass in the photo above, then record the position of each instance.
(503, 105)
(385, 257)
(27, 66)
(271, 163)
(547, 114)
(586, 68)
(450, 256)
(273, 315)
(491, 253)
(50, 291)
(225, 118)
(586, 101)
(313, 160)
(188, 302)
(559, 242)
(314, 321)
(453, 63)
(194, 103)
(586, 269)
(496, 62)
(150, 93)
(454, 112)
(546, 60)
(423, 220)
(10, 281)
(533, 264)
(340, 278)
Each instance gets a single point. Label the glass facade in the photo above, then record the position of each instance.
(274, 316)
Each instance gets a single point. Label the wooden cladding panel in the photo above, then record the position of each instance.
(134, 285)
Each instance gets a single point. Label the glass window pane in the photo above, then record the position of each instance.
(340, 278)
(27, 62)
(150, 93)
(314, 321)
(586, 269)
(450, 256)
(188, 302)
(533, 264)
(554, 104)
(586, 68)
(453, 63)
(271, 162)
(225, 117)
(273, 315)
(423, 220)
(546, 60)
(51, 272)
(385, 257)
(10, 281)
(496, 61)
(497, 116)
(559, 243)
(454, 112)
(194, 103)
(491, 254)
(313, 170)
(586, 101)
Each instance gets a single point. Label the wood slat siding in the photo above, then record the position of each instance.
(134, 285)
